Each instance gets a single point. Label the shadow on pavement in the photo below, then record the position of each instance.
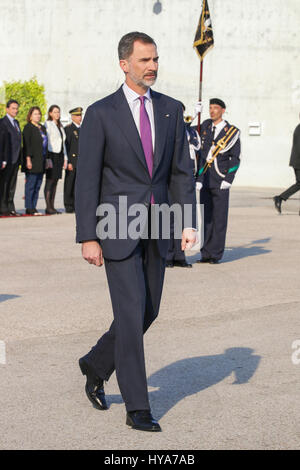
(234, 253)
(253, 248)
(189, 376)
(4, 297)
(192, 375)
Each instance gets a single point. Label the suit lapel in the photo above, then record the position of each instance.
(125, 121)
(161, 123)
(11, 126)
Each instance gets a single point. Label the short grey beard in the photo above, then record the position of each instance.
(143, 83)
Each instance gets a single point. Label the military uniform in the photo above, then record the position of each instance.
(72, 139)
(213, 175)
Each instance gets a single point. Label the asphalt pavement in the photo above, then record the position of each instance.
(222, 357)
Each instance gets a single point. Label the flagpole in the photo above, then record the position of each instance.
(200, 93)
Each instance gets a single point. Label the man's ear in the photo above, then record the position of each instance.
(124, 65)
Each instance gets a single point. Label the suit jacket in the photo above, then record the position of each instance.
(225, 165)
(295, 155)
(72, 140)
(33, 147)
(4, 145)
(112, 163)
(54, 138)
(14, 140)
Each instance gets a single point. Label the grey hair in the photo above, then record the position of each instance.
(125, 47)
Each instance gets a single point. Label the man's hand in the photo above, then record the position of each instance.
(3, 166)
(70, 167)
(92, 252)
(189, 237)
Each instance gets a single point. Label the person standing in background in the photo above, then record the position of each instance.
(176, 256)
(57, 154)
(35, 153)
(8, 178)
(219, 160)
(72, 138)
(3, 148)
(295, 163)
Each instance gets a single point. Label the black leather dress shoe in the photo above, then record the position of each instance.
(142, 420)
(15, 214)
(182, 264)
(94, 387)
(213, 261)
(169, 264)
(203, 260)
(277, 201)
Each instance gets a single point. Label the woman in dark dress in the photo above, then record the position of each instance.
(35, 158)
(57, 154)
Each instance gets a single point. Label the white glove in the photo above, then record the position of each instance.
(198, 107)
(210, 153)
(225, 185)
(199, 186)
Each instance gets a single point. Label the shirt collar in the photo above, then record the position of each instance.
(78, 126)
(11, 119)
(220, 125)
(131, 95)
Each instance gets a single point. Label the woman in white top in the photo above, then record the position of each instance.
(57, 154)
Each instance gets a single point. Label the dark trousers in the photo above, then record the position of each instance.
(292, 189)
(216, 202)
(8, 183)
(135, 285)
(175, 252)
(69, 189)
(32, 188)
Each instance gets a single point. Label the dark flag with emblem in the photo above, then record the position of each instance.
(204, 38)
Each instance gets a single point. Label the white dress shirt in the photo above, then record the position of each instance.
(134, 104)
(219, 127)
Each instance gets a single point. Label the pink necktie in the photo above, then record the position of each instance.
(146, 138)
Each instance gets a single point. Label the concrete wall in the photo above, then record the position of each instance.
(71, 46)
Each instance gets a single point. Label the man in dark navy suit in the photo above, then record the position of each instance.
(132, 144)
(8, 177)
(3, 148)
(218, 163)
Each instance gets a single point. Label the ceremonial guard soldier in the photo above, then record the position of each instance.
(217, 166)
(72, 137)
